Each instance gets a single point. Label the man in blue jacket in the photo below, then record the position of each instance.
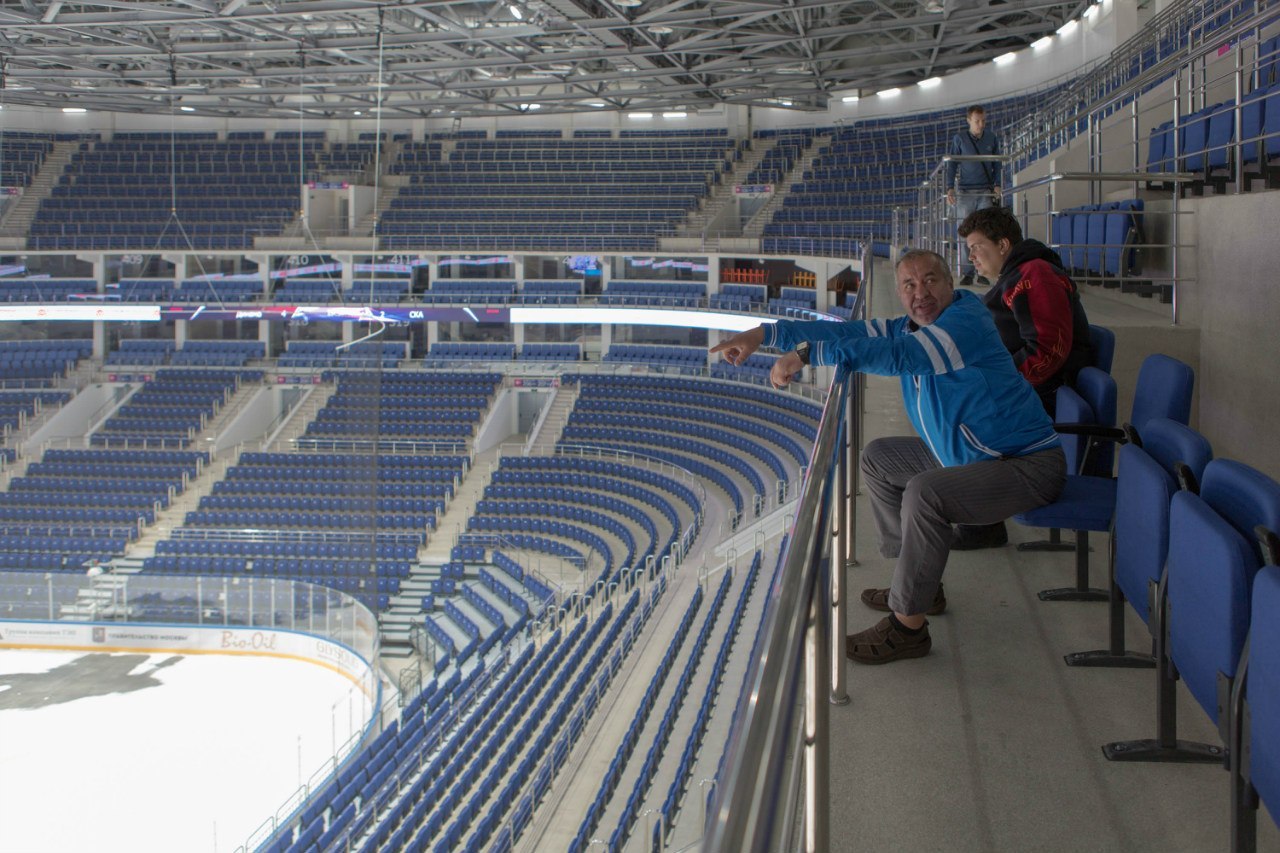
(984, 449)
(979, 181)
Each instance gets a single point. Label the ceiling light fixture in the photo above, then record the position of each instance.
(933, 7)
(187, 109)
(1005, 58)
(849, 99)
(1041, 44)
(1090, 12)
(639, 115)
(515, 12)
(889, 93)
(74, 110)
(1067, 27)
(675, 115)
(930, 82)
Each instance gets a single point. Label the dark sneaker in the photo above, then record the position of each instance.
(885, 642)
(975, 537)
(966, 280)
(878, 599)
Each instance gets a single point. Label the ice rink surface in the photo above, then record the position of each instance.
(159, 752)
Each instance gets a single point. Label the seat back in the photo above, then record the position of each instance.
(1163, 390)
(1213, 557)
(1145, 485)
(1264, 688)
(1091, 401)
(1104, 347)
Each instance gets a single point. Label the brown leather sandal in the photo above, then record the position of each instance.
(878, 599)
(884, 642)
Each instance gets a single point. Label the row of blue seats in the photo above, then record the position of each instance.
(417, 506)
(1202, 141)
(657, 353)
(288, 519)
(436, 789)
(592, 440)
(1098, 239)
(794, 413)
(518, 242)
(613, 775)
(693, 744)
(648, 771)
(545, 527)
(584, 423)
(739, 419)
(557, 509)
(397, 549)
(515, 484)
(276, 566)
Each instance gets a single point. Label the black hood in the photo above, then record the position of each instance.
(1031, 250)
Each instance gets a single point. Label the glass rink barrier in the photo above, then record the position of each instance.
(106, 611)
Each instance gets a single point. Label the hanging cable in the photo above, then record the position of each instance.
(377, 156)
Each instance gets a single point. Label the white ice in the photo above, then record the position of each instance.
(195, 764)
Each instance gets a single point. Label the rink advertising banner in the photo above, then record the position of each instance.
(184, 640)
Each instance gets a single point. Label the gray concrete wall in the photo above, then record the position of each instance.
(1235, 301)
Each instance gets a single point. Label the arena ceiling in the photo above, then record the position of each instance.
(459, 58)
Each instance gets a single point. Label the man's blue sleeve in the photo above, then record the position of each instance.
(873, 346)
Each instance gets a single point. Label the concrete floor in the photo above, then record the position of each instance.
(991, 743)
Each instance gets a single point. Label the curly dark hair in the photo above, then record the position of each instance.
(994, 223)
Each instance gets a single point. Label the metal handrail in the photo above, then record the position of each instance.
(773, 749)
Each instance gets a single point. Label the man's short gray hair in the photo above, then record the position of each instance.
(925, 254)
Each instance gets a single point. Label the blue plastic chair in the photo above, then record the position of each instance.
(1203, 604)
(1255, 763)
(1145, 485)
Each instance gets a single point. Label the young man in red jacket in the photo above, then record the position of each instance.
(1038, 314)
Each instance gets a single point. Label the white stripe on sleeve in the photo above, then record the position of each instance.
(948, 345)
(931, 350)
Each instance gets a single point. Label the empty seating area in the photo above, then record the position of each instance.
(550, 352)
(667, 294)
(365, 291)
(741, 297)
(16, 407)
(550, 193)
(1097, 243)
(313, 355)
(729, 449)
(170, 408)
(120, 194)
(459, 351)
(73, 506)
(470, 292)
(45, 289)
(406, 407)
(39, 363)
(549, 292)
(21, 156)
(680, 359)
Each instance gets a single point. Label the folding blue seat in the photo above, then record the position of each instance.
(1255, 762)
(1145, 485)
(1205, 607)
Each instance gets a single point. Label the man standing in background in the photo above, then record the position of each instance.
(979, 184)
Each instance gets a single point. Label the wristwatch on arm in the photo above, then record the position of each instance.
(802, 350)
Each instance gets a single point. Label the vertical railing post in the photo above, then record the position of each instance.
(840, 520)
(815, 744)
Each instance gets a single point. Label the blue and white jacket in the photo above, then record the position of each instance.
(962, 391)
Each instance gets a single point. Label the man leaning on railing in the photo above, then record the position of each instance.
(985, 448)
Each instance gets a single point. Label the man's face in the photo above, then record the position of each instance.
(977, 121)
(988, 257)
(924, 287)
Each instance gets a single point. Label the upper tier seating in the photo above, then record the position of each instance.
(174, 191)
(21, 156)
(171, 408)
(550, 193)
